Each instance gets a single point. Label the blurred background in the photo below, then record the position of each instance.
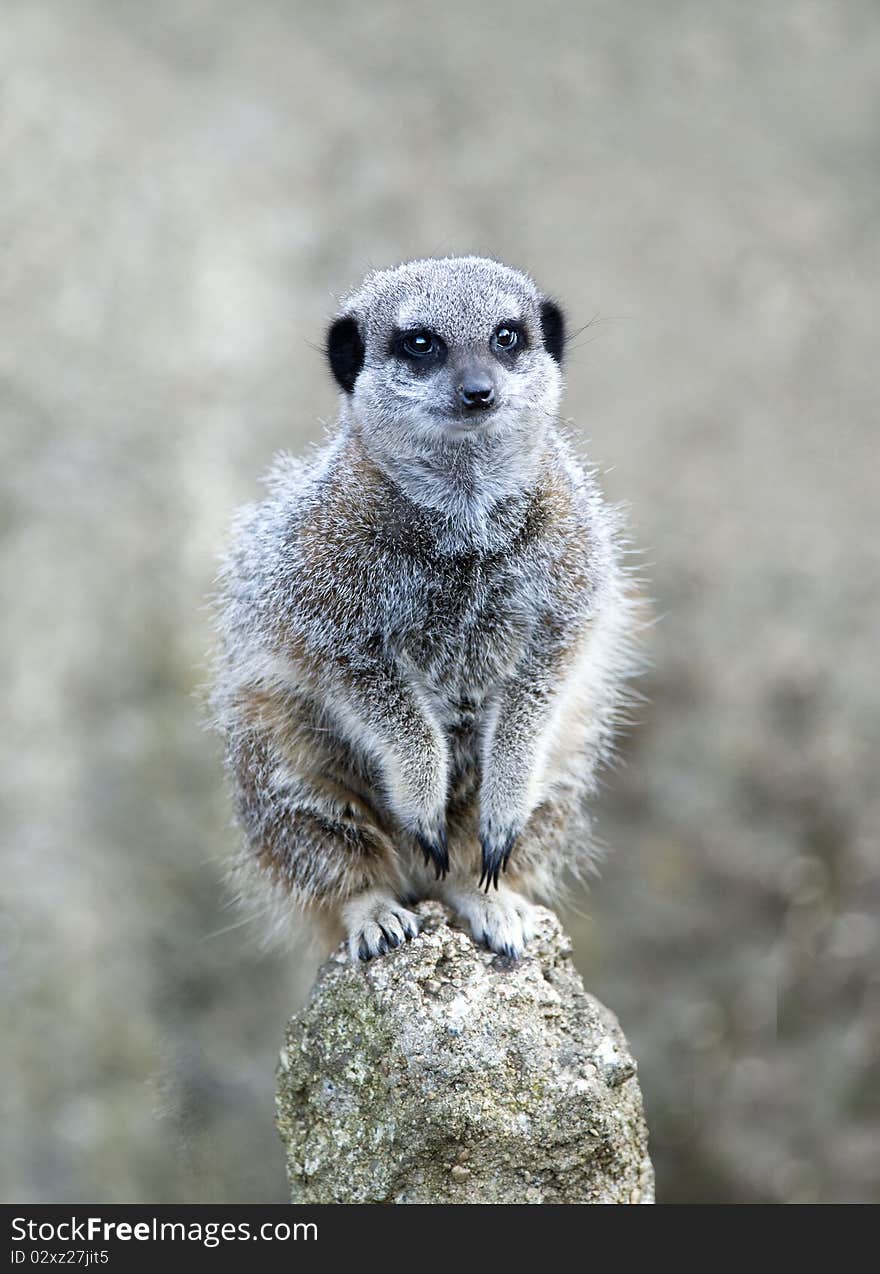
(186, 188)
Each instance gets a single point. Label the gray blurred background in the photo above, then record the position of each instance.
(185, 190)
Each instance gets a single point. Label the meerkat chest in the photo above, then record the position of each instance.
(468, 627)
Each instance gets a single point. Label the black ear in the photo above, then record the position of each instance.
(345, 351)
(553, 329)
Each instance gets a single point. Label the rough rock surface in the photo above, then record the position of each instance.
(440, 1073)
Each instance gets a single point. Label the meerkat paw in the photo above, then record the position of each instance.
(502, 921)
(376, 923)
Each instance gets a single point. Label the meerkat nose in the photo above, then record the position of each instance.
(477, 393)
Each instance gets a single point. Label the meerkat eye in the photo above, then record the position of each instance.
(506, 337)
(419, 346)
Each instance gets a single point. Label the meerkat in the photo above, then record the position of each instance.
(426, 627)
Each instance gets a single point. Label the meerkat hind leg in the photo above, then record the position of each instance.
(376, 922)
(502, 920)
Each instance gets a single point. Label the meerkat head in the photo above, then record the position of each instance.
(437, 355)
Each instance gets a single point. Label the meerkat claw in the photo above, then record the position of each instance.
(436, 852)
(409, 924)
(504, 949)
(496, 856)
(391, 939)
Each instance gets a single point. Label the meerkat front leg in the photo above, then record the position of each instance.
(391, 721)
(515, 743)
(515, 738)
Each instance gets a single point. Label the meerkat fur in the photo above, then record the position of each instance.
(426, 627)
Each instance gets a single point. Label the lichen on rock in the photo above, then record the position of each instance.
(440, 1073)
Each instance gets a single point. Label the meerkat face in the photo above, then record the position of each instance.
(446, 351)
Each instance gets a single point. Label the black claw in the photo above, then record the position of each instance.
(436, 852)
(390, 939)
(363, 950)
(495, 859)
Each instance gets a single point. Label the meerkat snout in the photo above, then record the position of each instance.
(476, 390)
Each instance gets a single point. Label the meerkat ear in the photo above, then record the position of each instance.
(553, 329)
(345, 351)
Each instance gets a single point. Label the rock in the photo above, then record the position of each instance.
(440, 1073)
